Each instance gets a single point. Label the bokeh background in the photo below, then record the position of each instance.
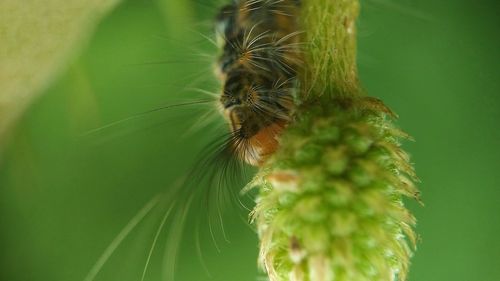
(64, 194)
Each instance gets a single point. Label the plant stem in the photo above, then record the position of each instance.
(330, 55)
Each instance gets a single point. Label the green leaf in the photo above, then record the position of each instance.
(38, 38)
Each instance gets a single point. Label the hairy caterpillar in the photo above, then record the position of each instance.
(257, 66)
(259, 56)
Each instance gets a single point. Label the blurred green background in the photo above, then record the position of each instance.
(64, 196)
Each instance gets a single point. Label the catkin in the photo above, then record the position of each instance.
(330, 205)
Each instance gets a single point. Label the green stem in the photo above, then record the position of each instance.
(330, 56)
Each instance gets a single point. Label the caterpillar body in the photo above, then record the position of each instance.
(257, 66)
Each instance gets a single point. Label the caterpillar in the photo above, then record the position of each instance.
(257, 67)
(257, 64)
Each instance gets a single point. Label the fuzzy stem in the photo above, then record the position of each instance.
(330, 56)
